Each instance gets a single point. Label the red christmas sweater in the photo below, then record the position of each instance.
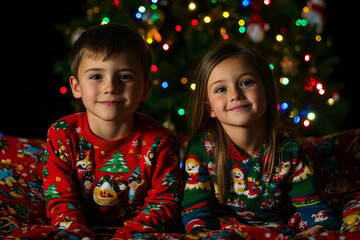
(131, 182)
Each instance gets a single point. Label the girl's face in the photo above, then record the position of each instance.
(236, 94)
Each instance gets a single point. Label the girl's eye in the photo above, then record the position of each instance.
(245, 83)
(96, 77)
(220, 90)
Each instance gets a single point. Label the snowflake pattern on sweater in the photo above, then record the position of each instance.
(132, 182)
(291, 198)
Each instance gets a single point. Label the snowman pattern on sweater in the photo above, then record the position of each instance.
(252, 199)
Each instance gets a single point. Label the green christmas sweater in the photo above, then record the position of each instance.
(132, 182)
(290, 200)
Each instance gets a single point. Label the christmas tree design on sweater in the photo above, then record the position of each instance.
(116, 164)
(51, 193)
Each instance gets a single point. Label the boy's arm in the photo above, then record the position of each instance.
(161, 206)
(59, 183)
(307, 198)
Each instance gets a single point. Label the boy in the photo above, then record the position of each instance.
(111, 166)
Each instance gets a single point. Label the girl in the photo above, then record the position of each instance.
(239, 164)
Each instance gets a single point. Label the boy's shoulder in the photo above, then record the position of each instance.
(148, 128)
(71, 121)
(147, 125)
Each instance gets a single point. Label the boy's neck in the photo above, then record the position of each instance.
(248, 140)
(111, 130)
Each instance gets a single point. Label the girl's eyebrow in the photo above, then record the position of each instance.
(216, 82)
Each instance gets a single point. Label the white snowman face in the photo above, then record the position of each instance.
(104, 194)
(237, 174)
(192, 166)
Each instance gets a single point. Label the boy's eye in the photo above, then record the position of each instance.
(125, 77)
(95, 77)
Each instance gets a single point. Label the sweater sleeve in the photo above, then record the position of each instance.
(197, 212)
(306, 196)
(162, 202)
(60, 186)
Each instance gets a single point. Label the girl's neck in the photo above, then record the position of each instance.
(249, 139)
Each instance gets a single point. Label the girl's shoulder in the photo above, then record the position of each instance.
(289, 141)
(289, 146)
(200, 146)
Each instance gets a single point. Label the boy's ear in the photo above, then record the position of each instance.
(146, 91)
(75, 87)
(210, 109)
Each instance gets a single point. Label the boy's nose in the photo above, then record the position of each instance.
(111, 87)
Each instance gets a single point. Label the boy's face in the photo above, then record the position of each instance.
(111, 90)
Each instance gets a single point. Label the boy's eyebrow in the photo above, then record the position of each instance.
(101, 69)
(93, 70)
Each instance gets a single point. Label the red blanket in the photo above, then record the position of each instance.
(336, 160)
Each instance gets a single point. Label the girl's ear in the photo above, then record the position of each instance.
(75, 87)
(210, 109)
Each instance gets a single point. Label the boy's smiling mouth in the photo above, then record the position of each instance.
(111, 102)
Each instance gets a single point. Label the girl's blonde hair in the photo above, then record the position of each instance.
(202, 123)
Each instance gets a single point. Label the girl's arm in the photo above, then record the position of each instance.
(306, 195)
(59, 182)
(161, 206)
(198, 212)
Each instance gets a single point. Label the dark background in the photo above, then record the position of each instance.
(29, 89)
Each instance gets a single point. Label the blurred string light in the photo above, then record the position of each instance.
(301, 22)
(207, 19)
(181, 112)
(192, 6)
(149, 13)
(246, 3)
(154, 68)
(165, 85)
(166, 47)
(105, 20)
(284, 81)
(63, 90)
(279, 38)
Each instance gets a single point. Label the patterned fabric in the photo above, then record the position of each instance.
(252, 200)
(133, 179)
(335, 159)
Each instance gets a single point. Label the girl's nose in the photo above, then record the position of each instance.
(237, 94)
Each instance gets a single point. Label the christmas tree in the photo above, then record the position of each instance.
(51, 192)
(288, 33)
(117, 164)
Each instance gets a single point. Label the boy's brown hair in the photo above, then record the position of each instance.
(110, 41)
